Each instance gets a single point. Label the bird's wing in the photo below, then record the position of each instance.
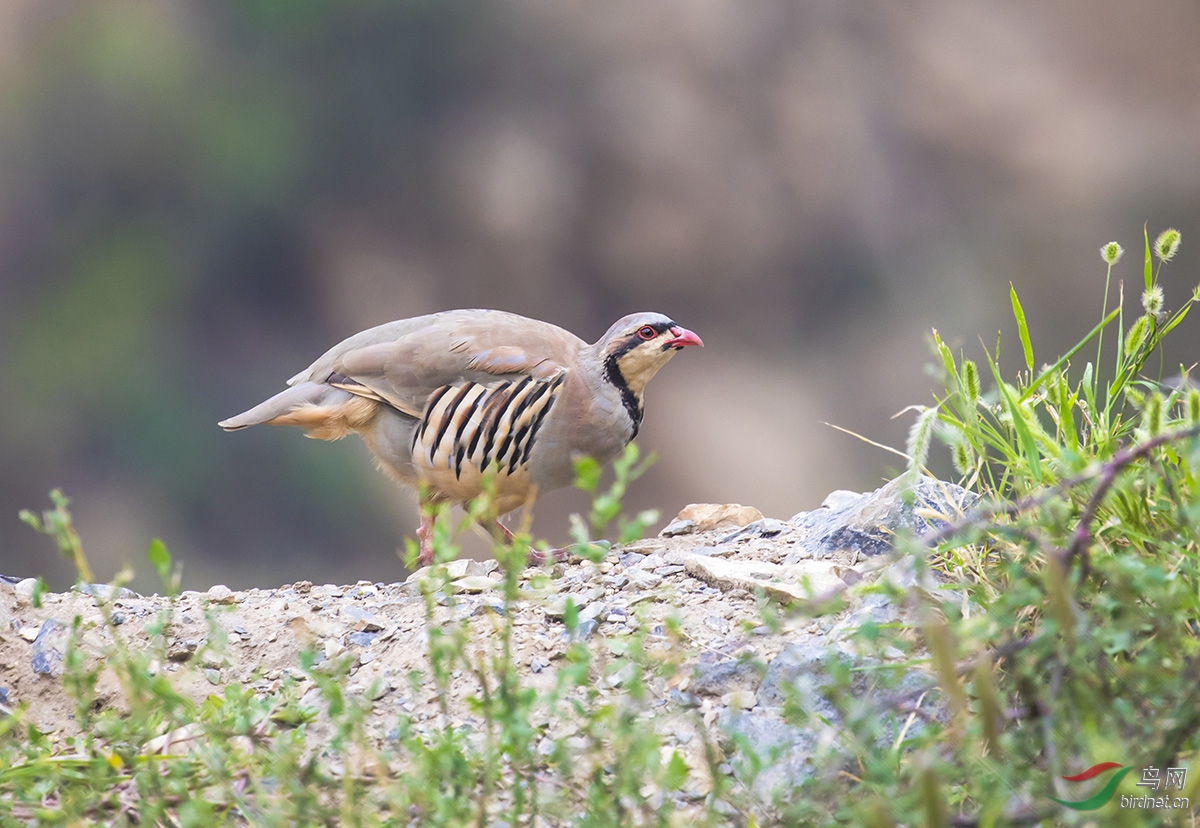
(403, 363)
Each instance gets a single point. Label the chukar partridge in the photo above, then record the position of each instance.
(446, 399)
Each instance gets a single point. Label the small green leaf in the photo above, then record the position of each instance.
(676, 773)
(571, 615)
(160, 559)
(587, 473)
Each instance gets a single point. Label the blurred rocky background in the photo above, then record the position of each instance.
(196, 199)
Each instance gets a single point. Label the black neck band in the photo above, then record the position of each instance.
(612, 373)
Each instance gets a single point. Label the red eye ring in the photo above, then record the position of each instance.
(646, 332)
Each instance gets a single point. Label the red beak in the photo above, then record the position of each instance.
(682, 338)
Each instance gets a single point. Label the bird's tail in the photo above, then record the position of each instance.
(327, 413)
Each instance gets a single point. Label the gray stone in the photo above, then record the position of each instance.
(800, 670)
(494, 607)
(362, 639)
(721, 677)
(682, 698)
(641, 579)
(652, 562)
(592, 611)
(717, 623)
(632, 558)
(106, 592)
(678, 527)
(801, 673)
(867, 525)
(183, 650)
(584, 630)
(786, 751)
(362, 619)
(761, 528)
(49, 648)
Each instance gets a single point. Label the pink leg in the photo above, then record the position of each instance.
(424, 536)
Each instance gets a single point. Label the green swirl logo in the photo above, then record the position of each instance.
(1101, 796)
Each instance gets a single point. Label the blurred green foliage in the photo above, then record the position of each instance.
(165, 161)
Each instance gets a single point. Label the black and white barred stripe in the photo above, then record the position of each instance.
(481, 426)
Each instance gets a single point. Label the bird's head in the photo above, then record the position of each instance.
(637, 345)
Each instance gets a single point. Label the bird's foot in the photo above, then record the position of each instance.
(537, 557)
(534, 557)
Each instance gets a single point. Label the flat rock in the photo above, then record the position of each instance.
(786, 584)
(458, 568)
(475, 584)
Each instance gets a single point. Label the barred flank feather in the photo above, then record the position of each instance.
(477, 426)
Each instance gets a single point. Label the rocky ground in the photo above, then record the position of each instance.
(704, 576)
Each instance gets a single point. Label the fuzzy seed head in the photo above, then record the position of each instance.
(1193, 406)
(1152, 301)
(1154, 414)
(1167, 244)
(1138, 334)
(970, 375)
(964, 459)
(1112, 252)
(919, 437)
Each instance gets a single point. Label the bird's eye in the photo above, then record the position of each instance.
(646, 332)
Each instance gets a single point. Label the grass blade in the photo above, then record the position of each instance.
(1148, 268)
(1022, 327)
